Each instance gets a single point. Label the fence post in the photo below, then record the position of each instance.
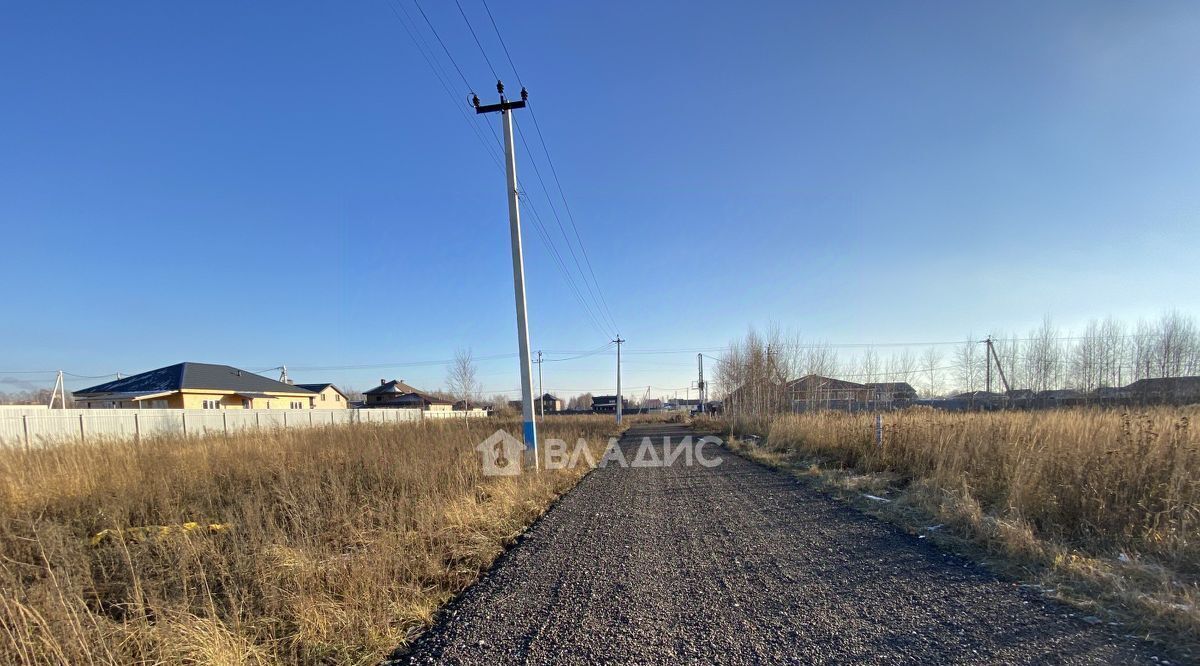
(225, 423)
(310, 418)
(285, 420)
(879, 430)
(257, 420)
(25, 427)
(137, 428)
(183, 417)
(82, 435)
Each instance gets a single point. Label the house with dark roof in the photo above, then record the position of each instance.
(328, 396)
(395, 394)
(1165, 390)
(195, 386)
(817, 392)
(607, 404)
(893, 392)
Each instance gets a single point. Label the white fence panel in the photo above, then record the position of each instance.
(40, 427)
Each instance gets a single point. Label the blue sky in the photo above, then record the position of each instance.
(267, 183)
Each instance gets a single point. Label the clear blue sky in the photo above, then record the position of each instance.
(287, 182)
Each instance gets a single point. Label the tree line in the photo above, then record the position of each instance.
(1104, 353)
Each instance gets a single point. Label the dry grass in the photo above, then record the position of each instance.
(340, 542)
(1100, 506)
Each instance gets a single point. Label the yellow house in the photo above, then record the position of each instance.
(328, 396)
(195, 386)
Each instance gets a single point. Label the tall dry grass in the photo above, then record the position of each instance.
(1108, 502)
(340, 542)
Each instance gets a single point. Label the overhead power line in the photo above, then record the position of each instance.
(553, 170)
(426, 52)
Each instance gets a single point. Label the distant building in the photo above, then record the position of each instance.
(195, 386)
(549, 404)
(552, 404)
(894, 392)
(396, 394)
(328, 396)
(607, 404)
(1059, 398)
(1166, 390)
(817, 392)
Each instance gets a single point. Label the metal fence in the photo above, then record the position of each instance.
(41, 427)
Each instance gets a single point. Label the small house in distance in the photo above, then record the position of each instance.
(607, 404)
(548, 404)
(195, 386)
(395, 394)
(328, 396)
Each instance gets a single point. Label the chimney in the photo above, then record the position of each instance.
(382, 382)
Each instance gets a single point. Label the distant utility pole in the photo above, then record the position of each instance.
(541, 391)
(993, 356)
(700, 382)
(618, 341)
(505, 107)
(988, 357)
(60, 391)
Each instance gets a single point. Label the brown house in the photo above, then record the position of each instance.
(398, 395)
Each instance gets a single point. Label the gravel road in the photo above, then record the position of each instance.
(740, 564)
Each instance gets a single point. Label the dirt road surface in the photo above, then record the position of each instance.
(740, 564)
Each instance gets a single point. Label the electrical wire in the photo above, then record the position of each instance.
(476, 37)
(553, 170)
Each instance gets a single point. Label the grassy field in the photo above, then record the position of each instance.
(318, 546)
(1102, 507)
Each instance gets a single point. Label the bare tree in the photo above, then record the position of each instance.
(582, 401)
(1043, 357)
(967, 363)
(930, 360)
(462, 378)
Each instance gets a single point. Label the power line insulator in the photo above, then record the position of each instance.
(475, 100)
(524, 94)
(500, 87)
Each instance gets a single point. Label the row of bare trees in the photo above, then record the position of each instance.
(1105, 353)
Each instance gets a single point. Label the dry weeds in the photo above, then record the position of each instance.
(1100, 507)
(340, 542)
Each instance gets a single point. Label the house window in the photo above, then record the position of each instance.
(158, 404)
(245, 403)
(337, 397)
(212, 404)
(323, 396)
(297, 405)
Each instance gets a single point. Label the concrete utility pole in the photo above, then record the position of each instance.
(505, 107)
(541, 391)
(619, 400)
(60, 389)
(988, 354)
(700, 383)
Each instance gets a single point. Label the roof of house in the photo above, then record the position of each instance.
(417, 396)
(188, 375)
(396, 386)
(811, 382)
(1165, 384)
(317, 388)
(980, 394)
(892, 386)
